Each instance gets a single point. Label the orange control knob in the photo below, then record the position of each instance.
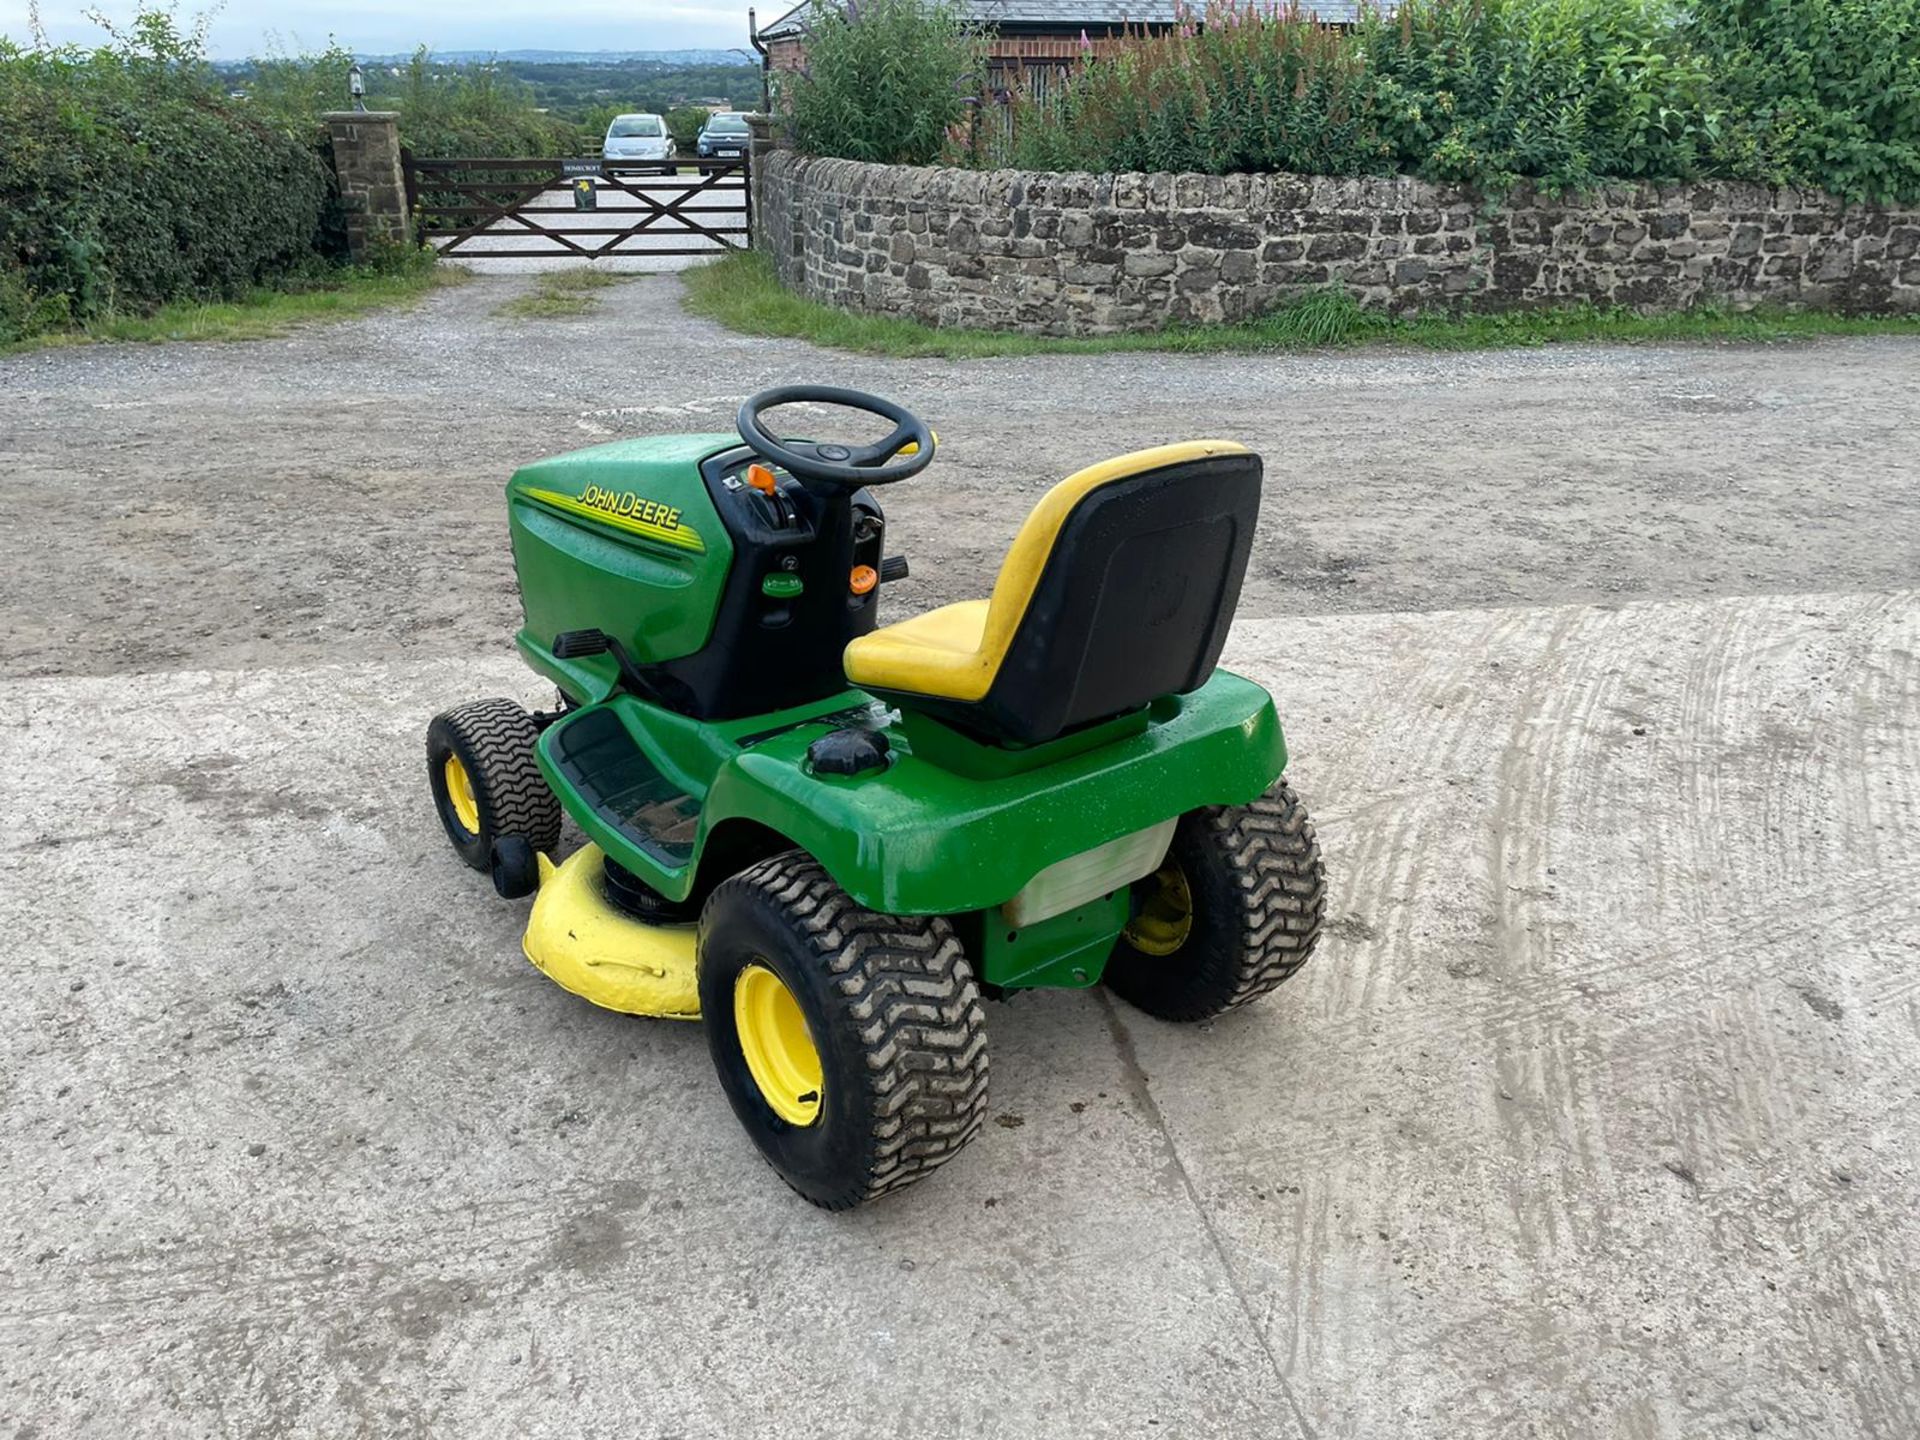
(761, 479)
(863, 579)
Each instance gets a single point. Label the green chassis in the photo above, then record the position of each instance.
(950, 827)
(958, 838)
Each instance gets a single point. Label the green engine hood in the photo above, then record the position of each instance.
(620, 537)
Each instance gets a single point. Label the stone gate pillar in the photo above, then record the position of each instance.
(760, 144)
(373, 189)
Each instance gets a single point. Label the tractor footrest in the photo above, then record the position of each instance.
(600, 760)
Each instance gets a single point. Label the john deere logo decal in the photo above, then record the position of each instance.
(626, 511)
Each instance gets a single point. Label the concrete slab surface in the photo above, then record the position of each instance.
(1596, 1114)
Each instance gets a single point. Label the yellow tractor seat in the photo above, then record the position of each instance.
(1118, 589)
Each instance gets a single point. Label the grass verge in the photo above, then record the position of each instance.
(741, 292)
(265, 314)
(559, 294)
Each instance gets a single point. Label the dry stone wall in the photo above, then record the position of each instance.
(1078, 254)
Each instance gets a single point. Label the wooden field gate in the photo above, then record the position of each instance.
(500, 209)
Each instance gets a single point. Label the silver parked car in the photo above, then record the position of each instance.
(640, 141)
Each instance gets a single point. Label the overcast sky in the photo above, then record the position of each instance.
(254, 27)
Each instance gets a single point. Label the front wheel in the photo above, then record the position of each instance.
(486, 783)
(852, 1045)
(1232, 913)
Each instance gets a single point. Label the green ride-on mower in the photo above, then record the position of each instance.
(829, 838)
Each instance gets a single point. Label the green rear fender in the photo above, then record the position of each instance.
(918, 839)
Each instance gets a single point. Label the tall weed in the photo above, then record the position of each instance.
(1245, 89)
(884, 80)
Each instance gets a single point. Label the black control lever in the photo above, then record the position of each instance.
(578, 644)
(894, 567)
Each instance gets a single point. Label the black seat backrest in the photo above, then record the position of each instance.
(1133, 602)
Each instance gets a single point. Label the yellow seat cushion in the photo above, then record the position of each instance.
(937, 653)
(954, 652)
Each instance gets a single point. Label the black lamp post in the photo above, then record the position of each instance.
(357, 86)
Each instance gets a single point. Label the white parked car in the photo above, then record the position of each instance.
(639, 141)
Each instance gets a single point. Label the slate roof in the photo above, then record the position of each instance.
(1073, 14)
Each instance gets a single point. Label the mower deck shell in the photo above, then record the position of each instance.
(584, 944)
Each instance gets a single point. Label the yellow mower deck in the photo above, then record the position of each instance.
(582, 943)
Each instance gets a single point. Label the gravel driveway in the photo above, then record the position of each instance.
(1596, 1114)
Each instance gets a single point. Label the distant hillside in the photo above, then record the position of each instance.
(676, 58)
(584, 91)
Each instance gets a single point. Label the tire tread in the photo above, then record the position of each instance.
(515, 799)
(1272, 852)
(908, 990)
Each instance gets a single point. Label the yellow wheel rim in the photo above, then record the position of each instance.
(466, 805)
(778, 1047)
(1166, 918)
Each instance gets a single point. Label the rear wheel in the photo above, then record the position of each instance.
(852, 1045)
(486, 783)
(1232, 913)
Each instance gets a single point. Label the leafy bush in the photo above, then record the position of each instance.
(1816, 92)
(1252, 90)
(684, 123)
(126, 181)
(454, 110)
(1567, 93)
(885, 80)
(291, 92)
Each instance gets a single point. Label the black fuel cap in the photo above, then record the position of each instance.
(848, 752)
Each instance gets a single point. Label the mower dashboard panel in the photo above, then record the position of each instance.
(788, 605)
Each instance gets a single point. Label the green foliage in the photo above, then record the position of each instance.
(1819, 93)
(492, 108)
(577, 92)
(450, 110)
(292, 92)
(684, 125)
(1566, 93)
(885, 80)
(127, 181)
(1251, 90)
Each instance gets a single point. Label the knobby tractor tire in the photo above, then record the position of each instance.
(1256, 890)
(493, 742)
(891, 1008)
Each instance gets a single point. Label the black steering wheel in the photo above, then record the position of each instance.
(850, 467)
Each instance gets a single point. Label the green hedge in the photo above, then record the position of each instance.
(127, 183)
(1816, 93)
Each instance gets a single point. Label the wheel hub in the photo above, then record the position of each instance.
(1166, 914)
(779, 1050)
(466, 805)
